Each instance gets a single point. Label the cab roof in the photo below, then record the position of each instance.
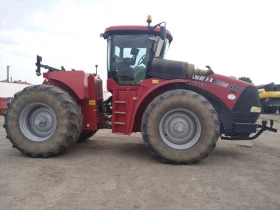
(134, 29)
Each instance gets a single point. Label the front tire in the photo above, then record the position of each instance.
(43, 121)
(180, 127)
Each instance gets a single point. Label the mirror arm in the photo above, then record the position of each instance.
(153, 27)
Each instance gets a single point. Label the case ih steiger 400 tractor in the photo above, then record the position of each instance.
(180, 110)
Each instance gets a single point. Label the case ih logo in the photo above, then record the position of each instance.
(202, 78)
(232, 87)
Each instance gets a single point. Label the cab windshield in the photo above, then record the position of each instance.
(129, 56)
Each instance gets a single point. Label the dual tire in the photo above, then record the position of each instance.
(43, 121)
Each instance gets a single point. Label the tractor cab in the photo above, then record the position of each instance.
(131, 49)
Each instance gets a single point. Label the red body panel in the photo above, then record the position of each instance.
(130, 102)
(220, 86)
(123, 104)
(86, 88)
(76, 80)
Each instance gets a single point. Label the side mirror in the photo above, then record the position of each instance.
(162, 32)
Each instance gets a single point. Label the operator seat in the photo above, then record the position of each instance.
(125, 72)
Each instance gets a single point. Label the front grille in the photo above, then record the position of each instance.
(241, 112)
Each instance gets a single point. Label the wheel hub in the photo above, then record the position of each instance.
(43, 121)
(180, 128)
(38, 122)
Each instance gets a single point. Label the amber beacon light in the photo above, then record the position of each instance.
(149, 19)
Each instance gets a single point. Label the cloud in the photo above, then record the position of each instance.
(238, 38)
(20, 13)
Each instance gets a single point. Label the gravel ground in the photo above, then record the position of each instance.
(117, 172)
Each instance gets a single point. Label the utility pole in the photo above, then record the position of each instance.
(8, 69)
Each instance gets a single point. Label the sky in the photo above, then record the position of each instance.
(235, 37)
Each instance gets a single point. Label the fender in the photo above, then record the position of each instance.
(76, 81)
(83, 85)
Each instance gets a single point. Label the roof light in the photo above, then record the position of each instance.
(149, 19)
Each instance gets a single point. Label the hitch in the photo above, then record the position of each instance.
(263, 127)
(39, 65)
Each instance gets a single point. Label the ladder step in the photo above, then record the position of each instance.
(120, 112)
(119, 123)
(120, 102)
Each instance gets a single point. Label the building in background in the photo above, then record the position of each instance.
(7, 91)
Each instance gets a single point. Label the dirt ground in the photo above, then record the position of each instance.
(117, 172)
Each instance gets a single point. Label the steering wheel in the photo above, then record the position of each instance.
(141, 59)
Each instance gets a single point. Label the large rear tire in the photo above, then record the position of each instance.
(43, 121)
(180, 127)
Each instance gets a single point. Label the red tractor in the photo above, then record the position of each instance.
(180, 110)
